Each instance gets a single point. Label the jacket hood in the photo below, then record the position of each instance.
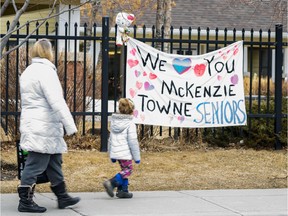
(43, 61)
(120, 122)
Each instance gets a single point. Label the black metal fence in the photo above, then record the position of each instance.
(86, 85)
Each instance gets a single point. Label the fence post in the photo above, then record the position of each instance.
(278, 84)
(104, 85)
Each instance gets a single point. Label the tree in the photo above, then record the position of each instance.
(96, 9)
(12, 26)
(163, 20)
(18, 12)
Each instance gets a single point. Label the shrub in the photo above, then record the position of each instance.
(260, 134)
(15, 64)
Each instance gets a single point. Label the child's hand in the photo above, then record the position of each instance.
(113, 160)
(137, 162)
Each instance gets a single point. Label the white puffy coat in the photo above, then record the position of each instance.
(123, 142)
(44, 110)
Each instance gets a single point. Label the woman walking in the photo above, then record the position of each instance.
(44, 114)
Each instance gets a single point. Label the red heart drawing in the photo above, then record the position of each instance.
(152, 76)
(132, 63)
(199, 69)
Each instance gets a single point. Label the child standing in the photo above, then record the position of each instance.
(123, 147)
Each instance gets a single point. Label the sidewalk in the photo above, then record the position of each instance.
(268, 202)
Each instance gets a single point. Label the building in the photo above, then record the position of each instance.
(210, 16)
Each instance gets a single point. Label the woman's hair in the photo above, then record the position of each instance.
(42, 49)
(126, 106)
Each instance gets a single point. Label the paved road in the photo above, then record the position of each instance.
(270, 202)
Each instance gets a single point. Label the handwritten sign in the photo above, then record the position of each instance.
(186, 91)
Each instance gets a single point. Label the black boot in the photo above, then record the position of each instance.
(110, 184)
(122, 191)
(26, 203)
(64, 199)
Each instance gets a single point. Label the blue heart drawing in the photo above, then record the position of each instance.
(181, 65)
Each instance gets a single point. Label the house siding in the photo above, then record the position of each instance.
(28, 16)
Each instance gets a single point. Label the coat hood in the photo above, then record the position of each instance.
(43, 61)
(120, 122)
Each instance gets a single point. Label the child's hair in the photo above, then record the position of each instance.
(42, 49)
(126, 106)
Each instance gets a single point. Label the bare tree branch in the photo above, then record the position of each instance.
(14, 5)
(10, 31)
(4, 7)
(12, 26)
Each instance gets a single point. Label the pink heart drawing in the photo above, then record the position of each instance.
(132, 63)
(219, 77)
(137, 73)
(139, 85)
(133, 51)
(132, 92)
(152, 76)
(234, 79)
(235, 51)
(144, 73)
(148, 86)
(142, 116)
(135, 113)
(181, 118)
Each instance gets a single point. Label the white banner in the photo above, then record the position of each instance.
(186, 91)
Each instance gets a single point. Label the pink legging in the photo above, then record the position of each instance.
(126, 168)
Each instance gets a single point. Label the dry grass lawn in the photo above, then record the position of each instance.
(171, 170)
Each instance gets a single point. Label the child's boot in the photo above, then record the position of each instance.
(122, 191)
(110, 184)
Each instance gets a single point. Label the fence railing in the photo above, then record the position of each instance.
(92, 70)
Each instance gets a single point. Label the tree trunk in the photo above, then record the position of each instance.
(167, 23)
(159, 21)
(95, 5)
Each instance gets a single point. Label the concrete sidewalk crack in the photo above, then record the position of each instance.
(216, 204)
(78, 212)
(70, 208)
